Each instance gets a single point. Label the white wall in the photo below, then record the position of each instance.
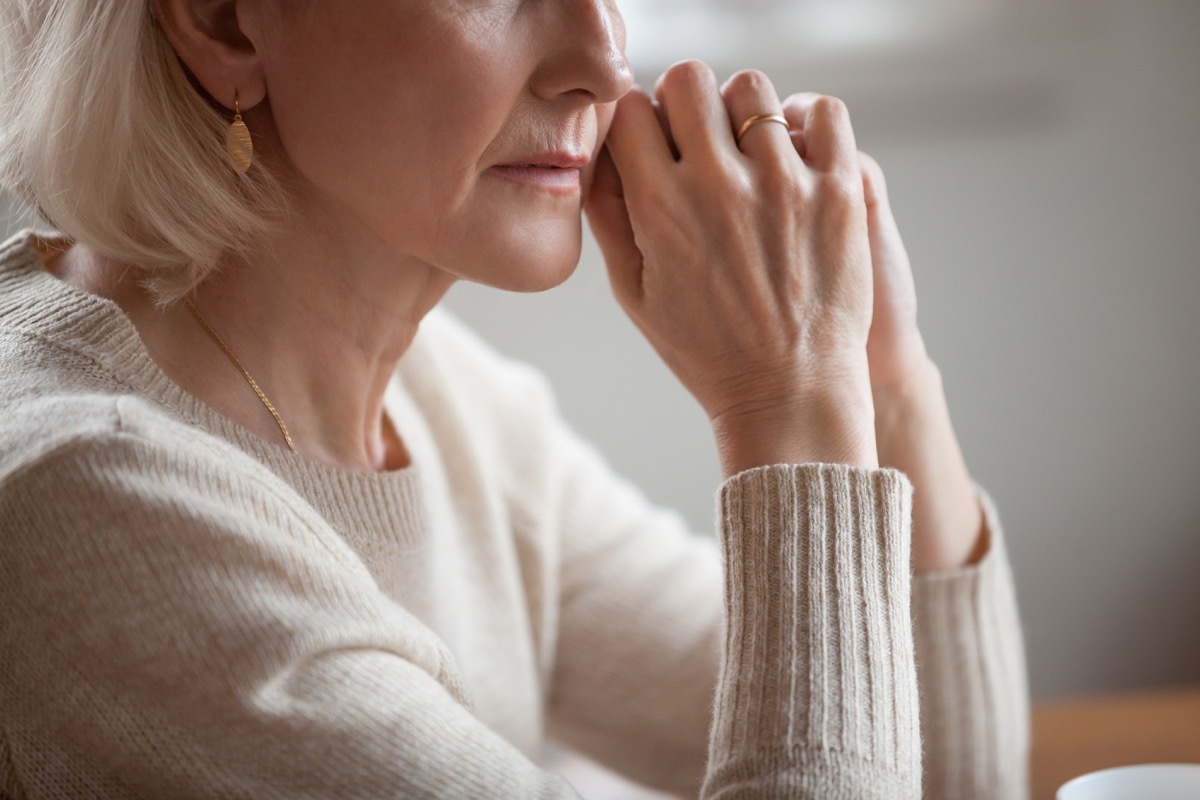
(1048, 184)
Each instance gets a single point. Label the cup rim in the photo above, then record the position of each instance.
(1088, 777)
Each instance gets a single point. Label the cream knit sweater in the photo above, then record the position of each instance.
(190, 611)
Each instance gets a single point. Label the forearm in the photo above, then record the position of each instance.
(914, 434)
(974, 700)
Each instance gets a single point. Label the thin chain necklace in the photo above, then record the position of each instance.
(245, 372)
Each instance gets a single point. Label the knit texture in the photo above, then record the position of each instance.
(981, 702)
(192, 611)
(827, 709)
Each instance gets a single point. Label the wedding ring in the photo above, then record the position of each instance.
(757, 118)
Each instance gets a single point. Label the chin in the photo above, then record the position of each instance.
(535, 275)
(535, 262)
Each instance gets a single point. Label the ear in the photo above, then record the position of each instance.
(209, 37)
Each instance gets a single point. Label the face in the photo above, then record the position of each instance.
(459, 132)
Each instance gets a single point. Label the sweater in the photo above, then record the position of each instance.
(192, 611)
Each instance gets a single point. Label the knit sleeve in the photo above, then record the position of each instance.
(172, 627)
(809, 651)
(817, 696)
(971, 668)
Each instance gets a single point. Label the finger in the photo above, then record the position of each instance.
(696, 115)
(881, 225)
(794, 112)
(828, 136)
(665, 124)
(749, 94)
(608, 217)
(636, 141)
(874, 185)
(795, 108)
(882, 229)
(894, 287)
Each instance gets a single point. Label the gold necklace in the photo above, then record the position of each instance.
(245, 372)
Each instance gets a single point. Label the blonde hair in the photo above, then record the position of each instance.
(103, 133)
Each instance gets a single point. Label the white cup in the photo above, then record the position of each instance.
(1141, 782)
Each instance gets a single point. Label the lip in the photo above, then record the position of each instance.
(557, 172)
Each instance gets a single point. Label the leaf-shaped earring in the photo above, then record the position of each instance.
(238, 146)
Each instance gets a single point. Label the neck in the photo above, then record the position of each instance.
(320, 321)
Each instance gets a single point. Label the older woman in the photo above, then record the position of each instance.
(276, 526)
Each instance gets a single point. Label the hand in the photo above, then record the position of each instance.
(895, 349)
(912, 421)
(748, 268)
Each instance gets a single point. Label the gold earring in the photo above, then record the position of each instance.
(238, 146)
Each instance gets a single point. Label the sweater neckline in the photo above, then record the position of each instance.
(34, 300)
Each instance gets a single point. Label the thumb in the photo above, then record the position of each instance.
(608, 217)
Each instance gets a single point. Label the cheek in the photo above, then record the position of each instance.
(396, 132)
(396, 68)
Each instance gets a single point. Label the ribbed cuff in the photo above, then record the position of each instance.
(968, 640)
(818, 682)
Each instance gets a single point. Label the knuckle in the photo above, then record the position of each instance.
(831, 107)
(842, 187)
(686, 73)
(749, 81)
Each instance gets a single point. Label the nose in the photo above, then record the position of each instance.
(585, 52)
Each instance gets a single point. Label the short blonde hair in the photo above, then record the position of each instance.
(103, 133)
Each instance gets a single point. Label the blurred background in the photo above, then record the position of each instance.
(1042, 161)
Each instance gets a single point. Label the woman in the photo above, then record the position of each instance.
(276, 527)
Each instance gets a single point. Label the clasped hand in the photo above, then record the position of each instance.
(767, 273)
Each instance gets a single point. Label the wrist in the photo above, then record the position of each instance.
(914, 434)
(836, 427)
(906, 409)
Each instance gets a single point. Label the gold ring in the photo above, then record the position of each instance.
(757, 118)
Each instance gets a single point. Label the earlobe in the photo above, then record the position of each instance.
(208, 38)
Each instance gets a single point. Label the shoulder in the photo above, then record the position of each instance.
(60, 398)
(53, 387)
(74, 378)
(84, 407)
(95, 488)
(92, 451)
